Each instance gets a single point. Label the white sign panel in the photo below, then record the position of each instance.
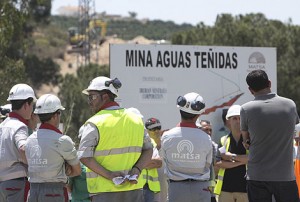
(153, 76)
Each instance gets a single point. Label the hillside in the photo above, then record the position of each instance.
(52, 41)
(69, 62)
(128, 29)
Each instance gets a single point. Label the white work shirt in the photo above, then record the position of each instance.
(187, 153)
(13, 135)
(47, 150)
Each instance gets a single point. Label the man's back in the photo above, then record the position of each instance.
(188, 152)
(270, 121)
(46, 152)
(10, 158)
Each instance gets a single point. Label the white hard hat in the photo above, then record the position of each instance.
(234, 110)
(21, 92)
(48, 103)
(191, 103)
(103, 83)
(7, 106)
(135, 111)
(5, 109)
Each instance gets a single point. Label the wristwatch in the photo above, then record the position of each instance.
(233, 158)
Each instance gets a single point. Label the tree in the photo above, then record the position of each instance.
(12, 20)
(77, 109)
(11, 73)
(15, 17)
(132, 14)
(40, 10)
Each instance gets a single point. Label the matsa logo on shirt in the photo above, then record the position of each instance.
(185, 149)
(185, 145)
(35, 157)
(35, 151)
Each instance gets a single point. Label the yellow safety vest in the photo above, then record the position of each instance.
(119, 148)
(218, 187)
(150, 176)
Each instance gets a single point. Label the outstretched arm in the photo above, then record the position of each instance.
(228, 164)
(243, 158)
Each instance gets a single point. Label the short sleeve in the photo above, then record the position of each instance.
(243, 120)
(89, 140)
(68, 151)
(147, 142)
(21, 137)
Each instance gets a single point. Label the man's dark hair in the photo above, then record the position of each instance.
(257, 80)
(46, 117)
(205, 121)
(17, 104)
(187, 116)
(110, 94)
(224, 113)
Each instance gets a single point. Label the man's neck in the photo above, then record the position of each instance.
(236, 135)
(262, 92)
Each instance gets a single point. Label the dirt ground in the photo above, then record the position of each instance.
(99, 55)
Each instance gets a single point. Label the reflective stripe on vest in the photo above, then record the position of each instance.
(224, 141)
(150, 176)
(118, 149)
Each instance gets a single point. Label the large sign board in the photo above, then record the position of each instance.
(153, 76)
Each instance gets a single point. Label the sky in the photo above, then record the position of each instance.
(193, 11)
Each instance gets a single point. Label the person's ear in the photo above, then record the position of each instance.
(105, 97)
(26, 105)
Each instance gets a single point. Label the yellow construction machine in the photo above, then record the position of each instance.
(95, 32)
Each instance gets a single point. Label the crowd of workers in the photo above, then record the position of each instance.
(121, 157)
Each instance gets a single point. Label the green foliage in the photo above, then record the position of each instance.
(12, 21)
(48, 42)
(16, 25)
(256, 31)
(11, 73)
(43, 71)
(155, 29)
(77, 109)
(129, 29)
(64, 22)
(12, 46)
(40, 10)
